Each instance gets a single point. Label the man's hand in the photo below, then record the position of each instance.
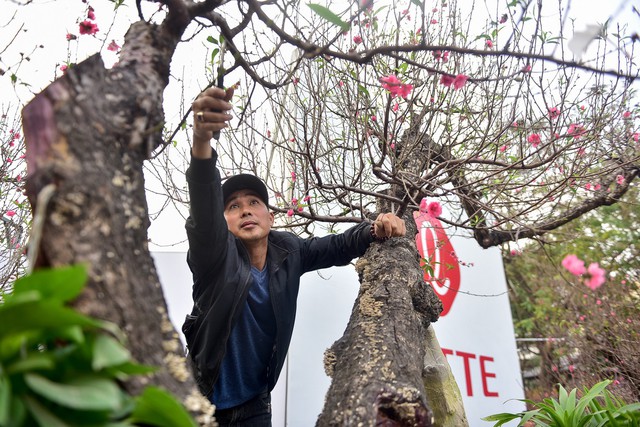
(388, 225)
(210, 114)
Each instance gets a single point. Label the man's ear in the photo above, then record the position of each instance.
(272, 216)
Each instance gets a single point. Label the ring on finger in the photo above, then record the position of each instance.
(200, 116)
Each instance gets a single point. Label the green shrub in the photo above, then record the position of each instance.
(59, 368)
(597, 407)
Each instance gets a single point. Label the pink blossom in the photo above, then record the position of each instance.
(395, 86)
(341, 83)
(306, 198)
(554, 113)
(434, 209)
(626, 115)
(575, 130)
(293, 176)
(503, 148)
(300, 208)
(596, 276)
(534, 139)
(90, 14)
(503, 18)
(423, 205)
(64, 68)
(620, 179)
(88, 27)
(515, 252)
(636, 136)
(113, 46)
(395, 107)
(357, 39)
(290, 212)
(526, 68)
(489, 43)
(587, 186)
(460, 81)
(374, 118)
(574, 265)
(597, 187)
(434, 21)
(294, 201)
(446, 80)
(10, 213)
(598, 302)
(71, 37)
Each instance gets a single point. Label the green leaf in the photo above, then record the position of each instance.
(33, 362)
(85, 393)
(363, 90)
(40, 315)
(214, 52)
(130, 368)
(158, 408)
(108, 352)
(211, 39)
(5, 399)
(62, 284)
(42, 414)
(417, 3)
(329, 16)
(502, 418)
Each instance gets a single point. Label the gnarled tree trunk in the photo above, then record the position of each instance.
(87, 137)
(376, 367)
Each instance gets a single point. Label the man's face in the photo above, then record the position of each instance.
(248, 218)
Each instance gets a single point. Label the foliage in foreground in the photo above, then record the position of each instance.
(597, 407)
(60, 368)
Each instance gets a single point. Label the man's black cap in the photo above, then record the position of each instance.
(245, 181)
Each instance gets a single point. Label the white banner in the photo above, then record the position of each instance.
(476, 332)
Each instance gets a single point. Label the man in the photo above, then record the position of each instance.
(246, 276)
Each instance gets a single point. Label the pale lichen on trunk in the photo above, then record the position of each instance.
(89, 134)
(376, 367)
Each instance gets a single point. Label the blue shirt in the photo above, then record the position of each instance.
(243, 374)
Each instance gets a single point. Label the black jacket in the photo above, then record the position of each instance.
(222, 274)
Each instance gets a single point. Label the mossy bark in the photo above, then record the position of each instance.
(377, 366)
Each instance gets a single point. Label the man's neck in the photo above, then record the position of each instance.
(257, 253)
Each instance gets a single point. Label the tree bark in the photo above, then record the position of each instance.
(376, 367)
(443, 393)
(88, 134)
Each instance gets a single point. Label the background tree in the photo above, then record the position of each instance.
(13, 206)
(570, 334)
(87, 152)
